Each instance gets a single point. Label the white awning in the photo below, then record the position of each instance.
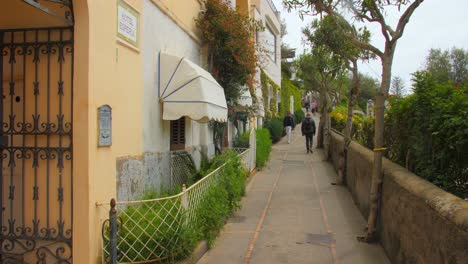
(185, 89)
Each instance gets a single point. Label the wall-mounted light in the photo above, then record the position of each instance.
(36, 4)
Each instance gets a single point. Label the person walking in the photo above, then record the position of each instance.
(314, 107)
(308, 130)
(288, 124)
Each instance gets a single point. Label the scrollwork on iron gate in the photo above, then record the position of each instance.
(36, 181)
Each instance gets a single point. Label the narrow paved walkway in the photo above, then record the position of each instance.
(292, 214)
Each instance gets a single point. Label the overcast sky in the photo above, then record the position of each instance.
(435, 24)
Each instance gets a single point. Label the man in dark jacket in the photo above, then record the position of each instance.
(288, 124)
(308, 130)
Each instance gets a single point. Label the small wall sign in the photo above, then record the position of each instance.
(105, 126)
(128, 20)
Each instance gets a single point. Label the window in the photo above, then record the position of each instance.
(178, 134)
(270, 43)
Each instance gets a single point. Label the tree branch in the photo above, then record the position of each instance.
(381, 20)
(364, 16)
(404, 19)
(350, 37)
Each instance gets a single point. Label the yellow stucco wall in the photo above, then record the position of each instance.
(105, 72)
(115, 79)
(83, 205)
(25, 16)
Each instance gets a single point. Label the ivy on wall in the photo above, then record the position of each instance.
(288, 89)
(271, 111)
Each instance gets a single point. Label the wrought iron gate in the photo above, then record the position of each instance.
(36, 180)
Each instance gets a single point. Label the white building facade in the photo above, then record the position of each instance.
(269, 46)
(166, 29)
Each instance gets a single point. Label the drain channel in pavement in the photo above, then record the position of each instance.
(319, 239)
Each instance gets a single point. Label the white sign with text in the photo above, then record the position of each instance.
(127, 23)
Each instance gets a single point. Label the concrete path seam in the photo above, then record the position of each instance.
(262, 218)
(324, 215)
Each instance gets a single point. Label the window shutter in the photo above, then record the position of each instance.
(178, 134)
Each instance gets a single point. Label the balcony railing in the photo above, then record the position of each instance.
(272, 6)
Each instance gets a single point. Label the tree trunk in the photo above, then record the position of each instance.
(376, 185)
(407, 161)
(320, 130)
(327, 127)
(321, 125)
(341, 176)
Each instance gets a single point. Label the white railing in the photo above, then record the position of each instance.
(149, 231)
(181, 168)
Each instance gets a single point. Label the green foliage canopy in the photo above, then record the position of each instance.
(448, 65)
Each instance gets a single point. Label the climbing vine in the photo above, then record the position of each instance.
(288, 89)
(229, 35)
(271, 111)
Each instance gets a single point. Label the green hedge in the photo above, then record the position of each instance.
(153, 238)
(243, 141)
(426, 132)
(276, 129)
(299, 116)
(263, 147)
(222, 200)
(430, 127)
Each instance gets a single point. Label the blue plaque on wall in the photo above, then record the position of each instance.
(105, 126)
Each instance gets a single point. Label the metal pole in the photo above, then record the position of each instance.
(113, 232)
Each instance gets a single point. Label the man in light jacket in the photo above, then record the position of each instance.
(288, 123)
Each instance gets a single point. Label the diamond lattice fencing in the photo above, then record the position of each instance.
(150, 231)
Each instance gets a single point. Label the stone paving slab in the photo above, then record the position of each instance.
(292, 214)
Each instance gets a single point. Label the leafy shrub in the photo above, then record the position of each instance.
(243, 141)
(263, 147)
(276, 129)
(430, 130)
(299, 116)
(233, 171)
(361, 130)
(213, 211)
(147, 236)
(223, 199)
(427, 132)
(145, 227)
(338, 118)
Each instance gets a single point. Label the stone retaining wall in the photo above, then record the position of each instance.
(418, 222)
